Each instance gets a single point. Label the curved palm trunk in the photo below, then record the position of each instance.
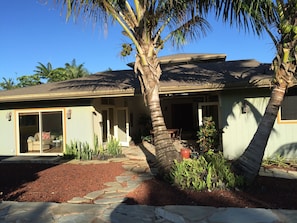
(249, 163)
(284, 65)
(166, 152)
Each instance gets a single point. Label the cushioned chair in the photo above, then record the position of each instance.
(34, 142)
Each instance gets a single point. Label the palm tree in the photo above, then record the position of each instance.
(44, 71)
(75, 71)
(149, 24)
(70, 71)
(7, 84)
(47, 72)
(284, 66)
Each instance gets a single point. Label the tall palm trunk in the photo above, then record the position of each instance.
(284, 65)
(249, 163)
(166, 152)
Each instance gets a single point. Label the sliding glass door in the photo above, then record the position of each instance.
(40, 132)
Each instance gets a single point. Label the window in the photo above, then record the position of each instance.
(40, 132)
(288, 110)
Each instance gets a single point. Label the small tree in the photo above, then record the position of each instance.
(207, 135)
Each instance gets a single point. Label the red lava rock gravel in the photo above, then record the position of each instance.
(60, 183)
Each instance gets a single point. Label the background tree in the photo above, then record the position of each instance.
(284, 66)
(46, 74)
(75, 71)
(28, 80)
(44, 71)
(70, 71)
(7, 84)
(149, 24)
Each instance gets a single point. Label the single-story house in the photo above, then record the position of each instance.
(43, 119)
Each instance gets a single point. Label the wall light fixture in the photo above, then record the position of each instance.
(8, 116)
(69, 111)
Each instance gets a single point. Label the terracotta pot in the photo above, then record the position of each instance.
(185, 153)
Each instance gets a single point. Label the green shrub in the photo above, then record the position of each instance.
(277, 160)
(147, 138)
(209, 171)
(113, 147)
(78, 150)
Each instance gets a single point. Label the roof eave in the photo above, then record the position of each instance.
(69, 95)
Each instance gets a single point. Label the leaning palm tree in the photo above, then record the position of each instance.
(149, 24)
(284, 66)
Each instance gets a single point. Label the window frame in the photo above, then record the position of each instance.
(39, 111)
(279, 115)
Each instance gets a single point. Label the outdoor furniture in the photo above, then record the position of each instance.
(174, 133)
(178, 134)
(34, 142)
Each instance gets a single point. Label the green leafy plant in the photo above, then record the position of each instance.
(278, 160)
(113, 147)
(96, 144)
(209, 171)
(207, 135)
(78, 150)
(147, 138)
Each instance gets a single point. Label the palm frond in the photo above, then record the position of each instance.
(248, 14)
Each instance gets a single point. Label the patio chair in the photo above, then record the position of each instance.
(178, 135)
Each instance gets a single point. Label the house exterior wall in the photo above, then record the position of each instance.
(80, 127)
(239, 128)
(7, 136)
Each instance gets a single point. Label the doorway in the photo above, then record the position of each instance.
(115, 124)
(182, 116)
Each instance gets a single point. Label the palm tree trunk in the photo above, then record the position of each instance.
(166, 152)
(249, 163)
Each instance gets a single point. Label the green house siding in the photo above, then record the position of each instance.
(80, 126)
(7, 136)
(283, 141)
(239, 127)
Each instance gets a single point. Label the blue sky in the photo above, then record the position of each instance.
(33, 32)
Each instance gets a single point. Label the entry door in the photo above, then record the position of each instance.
(122, 126)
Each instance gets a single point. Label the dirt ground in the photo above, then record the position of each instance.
(60, 183)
